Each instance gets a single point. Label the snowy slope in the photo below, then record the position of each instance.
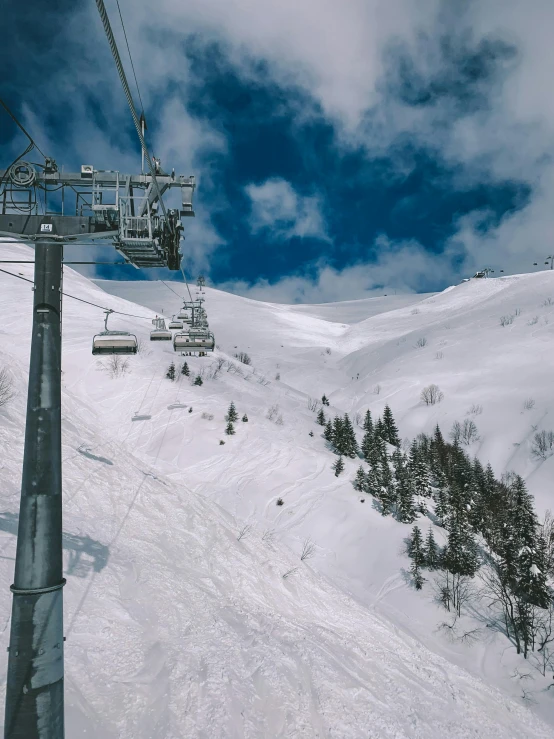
(174, 628)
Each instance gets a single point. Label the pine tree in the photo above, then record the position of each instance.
(324, 400)
(405, 508)
(230, 429)
(311, 433)
(170, 374)
(373, 483)
(386, 494)
(389, 426)
(337, 434)
(360, 480)
(328, 433)
(348, 443)
(368, 422)
(244, 418)
(198, 380)
(419, 474)
(432, 556)
(459, 557)
(379, 430)
(441, 497)
(190, 409)
(320, 419)
(338, 466)
(232, 414)
(367, 445)
(185, 370)
(416, 553)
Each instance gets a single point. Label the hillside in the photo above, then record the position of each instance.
(174, 627)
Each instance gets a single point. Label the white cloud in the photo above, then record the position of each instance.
(276, 206)
(405, 267)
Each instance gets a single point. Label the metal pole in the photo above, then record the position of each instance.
(35, 684)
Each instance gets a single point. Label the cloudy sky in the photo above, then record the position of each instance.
(341, 149)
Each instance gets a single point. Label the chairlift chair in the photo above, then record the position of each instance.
(114, 342)
(175, 324)
(194, 340)
(160, 333)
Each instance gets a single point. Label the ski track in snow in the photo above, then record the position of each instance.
(177, 629)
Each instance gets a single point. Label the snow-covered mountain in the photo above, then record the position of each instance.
(179, 626)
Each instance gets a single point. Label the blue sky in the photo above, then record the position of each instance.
(341, 150)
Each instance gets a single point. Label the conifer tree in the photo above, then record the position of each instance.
(360, 480)
(373, 483)
(338, 466)
(232, 414)
(405, 508)
(320, 418)
(389, 427)
(379, 430)
(349, 445)
(441, 497)
(416, 553)
(419, 474)
(311, 433)
(459, 557)
(432, 556)
(328, 432)
(170, 374)
(367, 445)
(245, 418)
(198, 380)
(387, 493)
(337, 434)
(324, 400)
(368, 423)
(185, 370)
(230, 429)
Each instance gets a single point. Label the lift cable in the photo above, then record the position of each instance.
(115, 53)
(67, 295)
(19, 124)
(130, 57)
(186, 282)
(172, 290)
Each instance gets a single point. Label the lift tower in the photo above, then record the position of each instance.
(48, 208)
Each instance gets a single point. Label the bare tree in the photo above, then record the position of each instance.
(431, 395)
(421, 342)
(290, 572)
(244, 531)
(272, 412)
(308, 550)
(475, 410)
(243, 357)
(506, 320)
(542, 445)
(6, 387)
(528, 404)
(414, 311)
(533, 321)
(313, 404)
(377, 389)
(547, 531)
(439, 355)
(357, 418)
(115, 366)
(456, 432)
(268, 536)
(469, 432)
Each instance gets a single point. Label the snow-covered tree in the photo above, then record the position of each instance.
(368, 422)
(320, 418)
(232, 414)
(419, 474)
(198, 380)
(416, 553)
(360, 479)
(387, 493)
(245, 418)
(185, 370)
(170, 374)
(328, 432)
(324, 400)
(432, 553)
(338, 466)
(405, 507)
(230, 429)
(389, 426)
(348, 444)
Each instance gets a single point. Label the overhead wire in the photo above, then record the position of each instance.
(130, 57)
(81, 300)
(20, 125)
(126, 89)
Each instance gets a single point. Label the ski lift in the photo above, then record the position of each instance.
(160, 333)
(185, 315)
(194, 340)
(114, 342)
(175, 324)
(143, 417)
